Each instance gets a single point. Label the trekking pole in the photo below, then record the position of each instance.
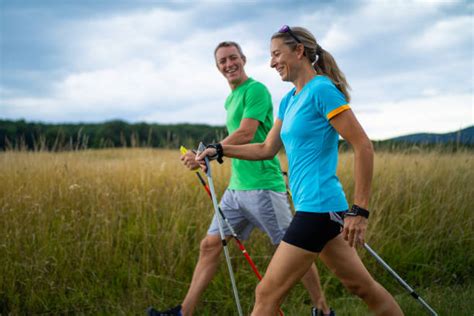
(400, 280)
(221, 230)
(232, 231)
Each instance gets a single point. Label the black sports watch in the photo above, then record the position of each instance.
(357, 211)
(219, 152)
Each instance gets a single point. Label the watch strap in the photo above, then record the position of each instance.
(358, 211)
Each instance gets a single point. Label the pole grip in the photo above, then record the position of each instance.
(201, 148)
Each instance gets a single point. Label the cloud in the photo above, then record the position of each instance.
(445, 34)
(126, 66)
(154, 63)
(435, 114)
(206, 113)
(378, 22)
(109, 41)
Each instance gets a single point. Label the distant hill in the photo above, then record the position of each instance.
(450, 142)
(463, 137)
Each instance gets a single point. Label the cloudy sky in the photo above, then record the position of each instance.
(410, 63)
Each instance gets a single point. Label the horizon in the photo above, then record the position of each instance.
(97, 61)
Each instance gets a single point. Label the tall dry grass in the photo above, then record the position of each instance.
(113, 231)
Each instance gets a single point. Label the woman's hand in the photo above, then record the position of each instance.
(189, 160)
(208, 152)
(354, 230)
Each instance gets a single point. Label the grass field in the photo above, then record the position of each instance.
(113, 231)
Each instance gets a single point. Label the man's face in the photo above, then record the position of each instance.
(231, 64)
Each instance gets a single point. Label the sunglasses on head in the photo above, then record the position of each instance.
(287, 29)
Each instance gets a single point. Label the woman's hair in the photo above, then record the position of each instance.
(322, 60)
(230, 44)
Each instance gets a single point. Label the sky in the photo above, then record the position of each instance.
(410, 64)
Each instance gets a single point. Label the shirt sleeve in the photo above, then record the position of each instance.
(257, 102)
(331, 101)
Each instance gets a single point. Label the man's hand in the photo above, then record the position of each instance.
(211, 152)
(189, 160)
(354, 230)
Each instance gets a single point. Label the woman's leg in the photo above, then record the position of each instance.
(312, 283)
(345, 263)
(287, 267)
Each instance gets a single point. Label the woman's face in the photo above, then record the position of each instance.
(283, 59)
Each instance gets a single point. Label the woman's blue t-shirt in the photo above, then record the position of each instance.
(311, 145)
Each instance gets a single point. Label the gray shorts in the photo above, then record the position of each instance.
(267, 210)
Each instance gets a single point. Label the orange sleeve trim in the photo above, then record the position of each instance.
(338, 110)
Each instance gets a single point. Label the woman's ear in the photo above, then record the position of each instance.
(299, 51)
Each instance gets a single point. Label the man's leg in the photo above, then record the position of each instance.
(209, 255)
(206, 267)
(210, 250)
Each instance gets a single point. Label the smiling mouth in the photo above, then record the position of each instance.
(231, 71)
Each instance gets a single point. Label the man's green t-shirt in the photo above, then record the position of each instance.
(252, 100)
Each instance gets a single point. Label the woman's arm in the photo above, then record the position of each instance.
(262, 151)
(350, 129)
(243, 135)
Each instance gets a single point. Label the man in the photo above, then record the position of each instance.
(256, 195)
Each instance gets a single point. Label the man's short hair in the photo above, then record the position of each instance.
(230, 44)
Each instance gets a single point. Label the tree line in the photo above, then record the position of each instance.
(22, 135)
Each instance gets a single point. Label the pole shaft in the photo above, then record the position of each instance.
(400, 280)
(226, 252)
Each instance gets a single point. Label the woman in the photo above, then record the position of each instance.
(310, 119)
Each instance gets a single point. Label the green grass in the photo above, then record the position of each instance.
(113, 231)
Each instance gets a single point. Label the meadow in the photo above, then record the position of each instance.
(114, 231)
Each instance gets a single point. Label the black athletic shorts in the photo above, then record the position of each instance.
(312, 231)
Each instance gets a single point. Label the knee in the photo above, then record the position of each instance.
(264, 294)
(210, 246)
(361, 289)
(261, 292)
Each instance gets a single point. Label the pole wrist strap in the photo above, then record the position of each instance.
(219, 152)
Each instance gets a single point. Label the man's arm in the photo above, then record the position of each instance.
(244, 134)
